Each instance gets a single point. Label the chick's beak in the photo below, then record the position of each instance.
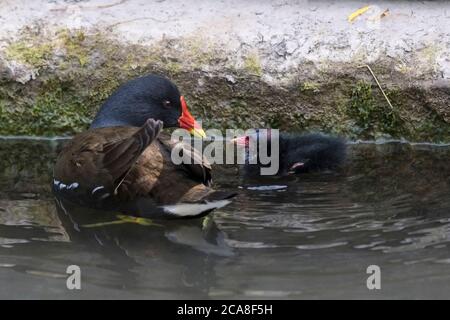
(187, 121)
(240, 141)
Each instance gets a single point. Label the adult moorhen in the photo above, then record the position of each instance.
(297, 153)
(123, 162)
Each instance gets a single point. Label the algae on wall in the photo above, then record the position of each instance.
(53, 85)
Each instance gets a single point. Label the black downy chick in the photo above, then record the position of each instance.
(298, 153)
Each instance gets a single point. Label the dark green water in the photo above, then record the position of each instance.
(312, 238)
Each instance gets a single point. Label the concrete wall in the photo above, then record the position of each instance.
(289, 64)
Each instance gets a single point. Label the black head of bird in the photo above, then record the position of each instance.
(149, 97)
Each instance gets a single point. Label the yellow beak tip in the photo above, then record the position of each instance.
(198, 133)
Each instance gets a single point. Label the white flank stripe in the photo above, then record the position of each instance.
(73, 186)
(61, 185)
(98, 188)
(104, 196)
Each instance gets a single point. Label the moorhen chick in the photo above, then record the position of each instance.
(297, 153)
(123, 162)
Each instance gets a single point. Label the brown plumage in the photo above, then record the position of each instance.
(129, 168)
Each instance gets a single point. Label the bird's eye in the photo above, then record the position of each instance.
(167, 103)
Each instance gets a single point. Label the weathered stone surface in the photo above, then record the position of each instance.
(296, 65)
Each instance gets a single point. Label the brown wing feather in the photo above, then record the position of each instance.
(155, 176)
(120, 156)
(193, 161)
(124, 157)
(100, 157)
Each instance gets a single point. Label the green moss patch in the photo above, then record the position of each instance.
(373, 116)
(33, 54)
(79, 70)
(252, 64)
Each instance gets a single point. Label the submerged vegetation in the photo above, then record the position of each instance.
(53, 86)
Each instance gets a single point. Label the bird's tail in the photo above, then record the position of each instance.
(214, 200)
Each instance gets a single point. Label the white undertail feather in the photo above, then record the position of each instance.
(194, 209)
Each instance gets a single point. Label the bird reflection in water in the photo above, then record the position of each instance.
(149, 252)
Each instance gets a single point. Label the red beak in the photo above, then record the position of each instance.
(187, 121)
(241, 141)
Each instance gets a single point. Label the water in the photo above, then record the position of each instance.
(306, 237)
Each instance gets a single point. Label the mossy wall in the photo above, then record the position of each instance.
(53, 84)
